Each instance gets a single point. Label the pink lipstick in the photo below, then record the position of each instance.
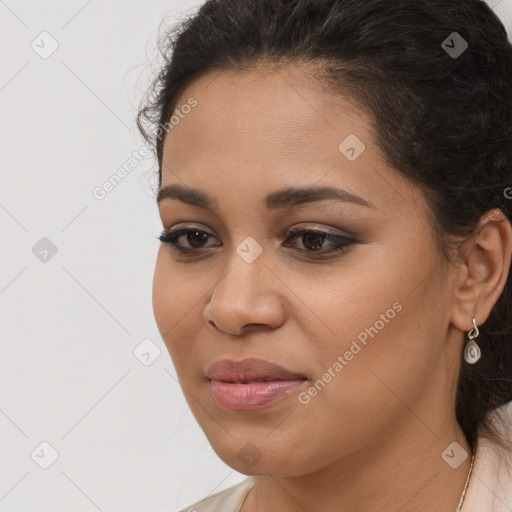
(250, 384)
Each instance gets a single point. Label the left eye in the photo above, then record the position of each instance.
(313, 241)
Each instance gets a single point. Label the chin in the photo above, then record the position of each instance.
(249, 460)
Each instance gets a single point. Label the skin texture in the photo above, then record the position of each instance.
(372, 438)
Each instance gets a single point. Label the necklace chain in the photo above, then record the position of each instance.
(461, 501)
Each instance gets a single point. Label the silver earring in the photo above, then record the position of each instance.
(472, 351)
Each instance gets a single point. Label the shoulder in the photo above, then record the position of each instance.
(228, 500)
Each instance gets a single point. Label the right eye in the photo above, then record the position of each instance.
(194, 237)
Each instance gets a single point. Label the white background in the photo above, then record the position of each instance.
(125, 438)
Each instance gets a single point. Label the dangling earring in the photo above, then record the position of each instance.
(472, 351)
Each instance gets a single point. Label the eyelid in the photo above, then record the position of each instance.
(293, 230)
(331, 230)
(191, 225)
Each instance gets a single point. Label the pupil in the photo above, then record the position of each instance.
(313, 240)
(201, 236)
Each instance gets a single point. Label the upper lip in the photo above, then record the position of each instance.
(249, 369)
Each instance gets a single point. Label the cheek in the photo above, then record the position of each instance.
(381, 335)
(179, 299)
(371, 375)
(172, 298)
(163, 297)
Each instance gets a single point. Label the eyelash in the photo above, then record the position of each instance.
(341, 243)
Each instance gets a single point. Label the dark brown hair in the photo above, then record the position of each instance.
(442, 118)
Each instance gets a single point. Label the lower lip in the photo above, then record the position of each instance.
(254, 395)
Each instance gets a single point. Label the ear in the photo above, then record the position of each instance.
(485, 270)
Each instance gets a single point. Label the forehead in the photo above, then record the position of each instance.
(282, 108)
(266, 127)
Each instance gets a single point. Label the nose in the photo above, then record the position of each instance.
(244, 299)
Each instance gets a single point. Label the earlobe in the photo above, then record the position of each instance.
(484, 272)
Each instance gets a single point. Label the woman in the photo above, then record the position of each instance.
(333, 284)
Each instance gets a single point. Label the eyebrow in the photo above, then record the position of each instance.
(291, 197)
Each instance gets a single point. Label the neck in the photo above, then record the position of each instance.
(402, 472)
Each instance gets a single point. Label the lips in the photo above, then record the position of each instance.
(249, 370)
(251, 384)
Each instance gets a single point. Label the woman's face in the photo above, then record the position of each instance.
(367, 328)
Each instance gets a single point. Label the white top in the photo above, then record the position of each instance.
(489, 488)
(228, 500)
(490, 484)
